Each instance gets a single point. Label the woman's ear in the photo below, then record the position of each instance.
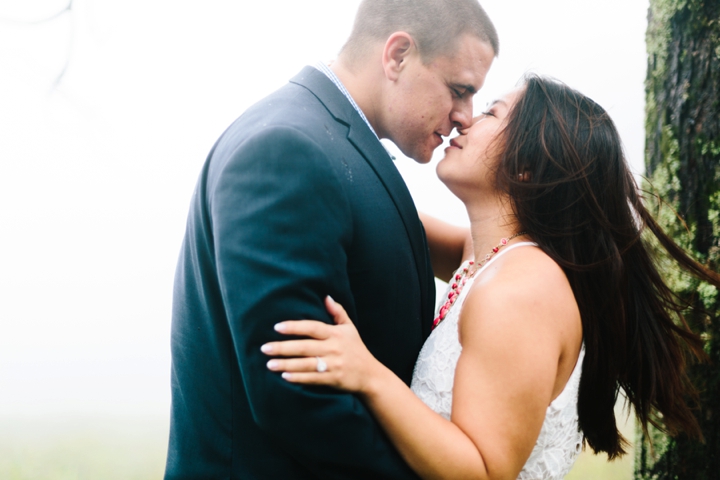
(398, 48)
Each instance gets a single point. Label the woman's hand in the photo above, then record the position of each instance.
(348, 363)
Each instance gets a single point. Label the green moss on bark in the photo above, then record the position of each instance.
(683, 168)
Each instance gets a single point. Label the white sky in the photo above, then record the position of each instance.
(96, 174)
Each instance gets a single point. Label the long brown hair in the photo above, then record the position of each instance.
(582, 206)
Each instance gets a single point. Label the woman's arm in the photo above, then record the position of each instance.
(448, 245)
(433, 446)
(505, 379)
(521, 335)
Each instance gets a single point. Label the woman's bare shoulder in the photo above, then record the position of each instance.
(524, 289)
(525, 270)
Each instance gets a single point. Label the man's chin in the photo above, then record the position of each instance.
(422, 157)
(423, 161)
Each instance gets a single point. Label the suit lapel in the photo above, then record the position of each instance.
(363, 139)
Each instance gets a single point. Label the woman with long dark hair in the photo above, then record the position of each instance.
(558, 304)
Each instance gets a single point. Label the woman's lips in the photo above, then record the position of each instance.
(453, 143)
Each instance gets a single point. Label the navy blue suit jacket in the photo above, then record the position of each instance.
(297, 200)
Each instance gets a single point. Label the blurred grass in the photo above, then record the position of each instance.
(596, 467)
(83, 448)
(134, 448)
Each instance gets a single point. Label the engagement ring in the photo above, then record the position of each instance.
(321, 365)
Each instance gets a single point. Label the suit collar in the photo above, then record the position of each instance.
(328, 94)
(365, 141)
(338, 83)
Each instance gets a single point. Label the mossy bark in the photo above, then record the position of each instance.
(683, 169)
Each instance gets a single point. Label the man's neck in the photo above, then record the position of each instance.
(362, 85)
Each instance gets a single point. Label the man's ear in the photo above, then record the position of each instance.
(398, 47)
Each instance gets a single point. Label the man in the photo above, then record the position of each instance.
(298, 200)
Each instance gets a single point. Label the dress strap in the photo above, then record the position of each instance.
(504, 251)
(570, 389)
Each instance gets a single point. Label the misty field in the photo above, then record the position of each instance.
(133, 448)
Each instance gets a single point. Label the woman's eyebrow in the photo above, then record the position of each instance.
(495, 102)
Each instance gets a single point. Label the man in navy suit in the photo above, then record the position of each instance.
(298, 200)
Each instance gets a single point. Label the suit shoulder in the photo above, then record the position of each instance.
(291, 113)
(292, 105)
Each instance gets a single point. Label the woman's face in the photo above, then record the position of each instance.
(471, 159)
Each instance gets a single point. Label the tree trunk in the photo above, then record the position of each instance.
(683, 168)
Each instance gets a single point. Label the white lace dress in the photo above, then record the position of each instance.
(559, 442)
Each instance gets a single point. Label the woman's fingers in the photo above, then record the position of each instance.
(309, 364)
(304, 370)
(308, 378)
(315, 328)
(295, 348)
(307, 328)
(337, 311)
(334, 355)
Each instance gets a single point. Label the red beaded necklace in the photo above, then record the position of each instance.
(461, 279)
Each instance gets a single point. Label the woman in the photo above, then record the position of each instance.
(562, 307)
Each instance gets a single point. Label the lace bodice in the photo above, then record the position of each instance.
(559, 442)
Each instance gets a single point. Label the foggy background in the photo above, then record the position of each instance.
(107, 112)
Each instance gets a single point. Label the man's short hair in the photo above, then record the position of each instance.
(435, 25)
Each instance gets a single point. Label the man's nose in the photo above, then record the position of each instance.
(461, 115)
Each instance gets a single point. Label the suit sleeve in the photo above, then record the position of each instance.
(282, 224)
